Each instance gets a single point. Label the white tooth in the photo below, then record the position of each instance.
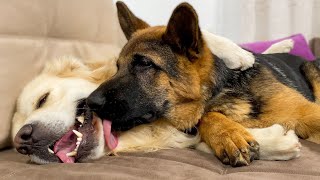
(80, 119)
(80, 125)
(50, 151)
(70, 154)
(78, 143)
(77, 147)
(79, 139)
(77, 133)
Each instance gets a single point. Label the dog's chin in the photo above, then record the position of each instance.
(86, 141)
(96, 139)
(84, 144)
(93, 144)
(91, 147)
(38, 160)
(129, 123)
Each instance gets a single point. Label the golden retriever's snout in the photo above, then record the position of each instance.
(23, 140)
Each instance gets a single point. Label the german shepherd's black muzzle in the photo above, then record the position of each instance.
(121, 101)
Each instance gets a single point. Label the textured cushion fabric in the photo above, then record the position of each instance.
(165, 164)
(300, 48)
(35, 31)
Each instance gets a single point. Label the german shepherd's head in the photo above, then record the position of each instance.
(163, 72)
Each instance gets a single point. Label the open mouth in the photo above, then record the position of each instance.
(73, 144)
(80, 139)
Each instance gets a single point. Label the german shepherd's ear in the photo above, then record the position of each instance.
(128, 21)
(183, 32)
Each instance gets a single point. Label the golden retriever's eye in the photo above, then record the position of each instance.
(42, 100)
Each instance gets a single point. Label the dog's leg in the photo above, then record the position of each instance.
(231, 142)
(233, 55)
(291, 110)
(284, 46)
(308, 124)
(311, 71)
(275, 143)
(237, 58)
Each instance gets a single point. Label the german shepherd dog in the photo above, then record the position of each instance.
(168, 73)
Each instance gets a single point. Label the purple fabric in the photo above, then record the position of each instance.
(300, 48)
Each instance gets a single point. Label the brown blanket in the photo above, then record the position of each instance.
(166, 164)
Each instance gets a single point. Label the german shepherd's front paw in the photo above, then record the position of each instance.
(231, 142)
(236, 149)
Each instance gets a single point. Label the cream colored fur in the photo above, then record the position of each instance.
(155, 136)
(68, 80)
(284, 46)
(232, 55)
(275, 143)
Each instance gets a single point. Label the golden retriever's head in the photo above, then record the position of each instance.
(52, 105)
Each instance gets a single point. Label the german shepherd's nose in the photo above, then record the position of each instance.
(23, 140)
(95, 101)
(107, 105)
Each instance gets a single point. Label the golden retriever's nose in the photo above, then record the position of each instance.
(23, 140)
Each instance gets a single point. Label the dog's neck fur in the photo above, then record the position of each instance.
(220, 76)
(210, 86)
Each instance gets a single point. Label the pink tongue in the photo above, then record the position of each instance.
(110, 138)
(65, 145)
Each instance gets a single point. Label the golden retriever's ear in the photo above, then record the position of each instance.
(94, 71)
(102, 70)
(128, 21)
(65, 67)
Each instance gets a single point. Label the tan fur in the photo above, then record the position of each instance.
(94, 71)
(312, 73)
(223, 120)
(186, 94)
(68, 79)
(228, 138)
(150, 137)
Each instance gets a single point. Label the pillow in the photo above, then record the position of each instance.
(300, 48)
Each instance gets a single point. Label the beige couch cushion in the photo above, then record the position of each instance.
(166, 164)
(34, 31)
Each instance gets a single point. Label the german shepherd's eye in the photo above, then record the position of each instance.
(142, 62)
(42, 100)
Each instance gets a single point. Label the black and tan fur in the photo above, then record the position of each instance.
(169, 73)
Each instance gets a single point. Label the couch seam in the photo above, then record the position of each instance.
(15, 36)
